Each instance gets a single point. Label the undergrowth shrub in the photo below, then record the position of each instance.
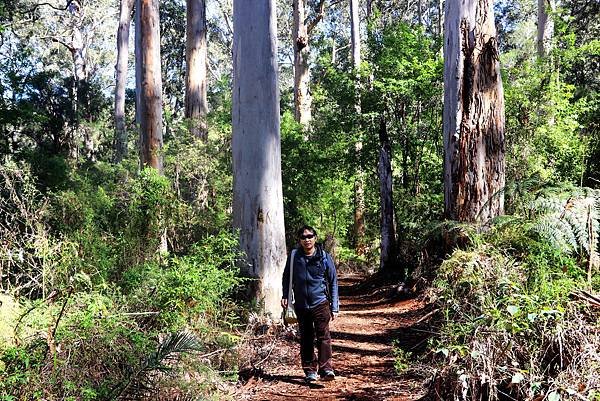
(184, 289)
(510, 328)
(90, 307)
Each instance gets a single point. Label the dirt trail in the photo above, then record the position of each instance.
(363, 359)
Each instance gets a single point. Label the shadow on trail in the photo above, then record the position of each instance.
(297, 380)
(358, 351)
(360, 306)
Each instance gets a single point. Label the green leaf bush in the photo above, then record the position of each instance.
(509, 325)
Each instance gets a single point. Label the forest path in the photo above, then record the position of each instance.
(371, 317)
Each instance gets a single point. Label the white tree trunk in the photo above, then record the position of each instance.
(149, 83)
(196, 102)
(359, 197)
(355, 32)
(473, 113)
(302, 100)
(257, 193)
(121, 79)
(545, 28)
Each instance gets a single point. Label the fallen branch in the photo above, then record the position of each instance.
(427, 316)
(583, 295)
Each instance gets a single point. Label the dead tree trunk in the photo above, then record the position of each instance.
(473, 113)
(389, 248)
(196, 103)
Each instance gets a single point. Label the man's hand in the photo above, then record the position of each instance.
(284, 303)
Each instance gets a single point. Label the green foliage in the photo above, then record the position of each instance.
(401, 358)
(548, 109)
(183, 289)
(100, 294)
(315, 189)
(203, 181)
(506, 308)
(139, 383)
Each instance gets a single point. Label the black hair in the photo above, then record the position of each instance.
(307, 227)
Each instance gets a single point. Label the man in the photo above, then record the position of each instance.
(316, 302)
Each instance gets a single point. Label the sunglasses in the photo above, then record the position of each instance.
(309, 236)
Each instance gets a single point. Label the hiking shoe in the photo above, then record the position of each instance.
(328, 375)
(311, 377)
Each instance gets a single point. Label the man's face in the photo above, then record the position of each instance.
(307, 240)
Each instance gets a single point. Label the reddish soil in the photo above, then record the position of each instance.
(372, 317)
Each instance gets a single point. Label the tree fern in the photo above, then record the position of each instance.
(570, 224)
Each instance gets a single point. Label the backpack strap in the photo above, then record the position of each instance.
(290, 291)
(326, 278)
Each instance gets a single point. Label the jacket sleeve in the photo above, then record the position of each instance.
(332, 278)
(286, 279)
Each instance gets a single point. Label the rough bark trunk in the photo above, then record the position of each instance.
(473, 113)
(389, 248)
(126, 8)
(257, 193)
(302, 100)
(149, 84)
(196, 103)
(545, 28)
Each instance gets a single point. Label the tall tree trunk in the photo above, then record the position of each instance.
(389, 247)
(355, 33)
(545, 28)
(440, 21)
(196, 102)
(302, 100)
(473, 113)
(359, 197)
(257, 188)
(126, 8)
(149, 83)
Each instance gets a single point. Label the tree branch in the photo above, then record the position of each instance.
(35, 7)
(320, 10)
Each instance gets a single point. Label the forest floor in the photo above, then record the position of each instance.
(375, 318)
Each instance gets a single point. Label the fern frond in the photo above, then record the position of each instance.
(556, 232)
(571, 224)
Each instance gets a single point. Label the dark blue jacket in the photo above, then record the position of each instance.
(308, 283)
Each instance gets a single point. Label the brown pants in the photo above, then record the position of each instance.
(315, 323)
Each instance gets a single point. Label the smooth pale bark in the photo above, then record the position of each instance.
(149, 83)
(473, 113)
(196, 102)
(302, 99)
(545, 28)
(389, 248)
(126, 8)
(355, 32)
(359, 198)
(257, 188)
(78, 49)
